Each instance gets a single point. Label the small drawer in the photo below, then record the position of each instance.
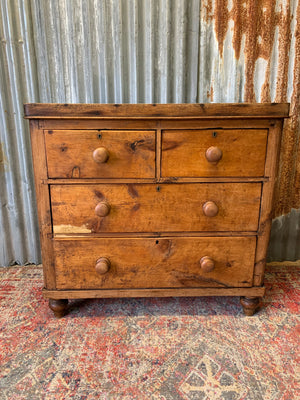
(178, 207)
(113, 263)
(100, 154)
(214, 153)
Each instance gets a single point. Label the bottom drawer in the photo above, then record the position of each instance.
(170, 262)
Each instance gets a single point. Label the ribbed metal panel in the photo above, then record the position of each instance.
(114, 51)
(19, 242)
(285, 237)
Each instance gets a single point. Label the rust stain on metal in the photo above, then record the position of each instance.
(210, 93)
(287, 194)
(269, 21)
(221, 22)
(3, 159)
(284, 45)
(239, 15)
(256, 23)
(207, 6)
(260, 35)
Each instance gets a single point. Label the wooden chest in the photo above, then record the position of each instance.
(154, 200)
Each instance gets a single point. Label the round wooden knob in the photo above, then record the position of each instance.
(207, 264)
(102, 209)
(100, 155)
(213, 154)
(102, 265)
(210, 209)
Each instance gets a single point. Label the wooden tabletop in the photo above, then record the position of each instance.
(150, 111)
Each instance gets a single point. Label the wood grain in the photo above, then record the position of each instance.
(59, 307)
(170, 179)
(43, 203)
(158, 152)
(265, 220)
(127, 123)
(153, 234)
(159, 292)
(155, 208)
(250, 304)
(150, 263)
(243, 152)
(131, 153)
(36, 110)
(151, 237)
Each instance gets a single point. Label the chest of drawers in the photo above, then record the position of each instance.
(154, 199)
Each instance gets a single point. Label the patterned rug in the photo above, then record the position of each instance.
(169, 348)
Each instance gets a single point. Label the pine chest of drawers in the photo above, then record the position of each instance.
(154, 199)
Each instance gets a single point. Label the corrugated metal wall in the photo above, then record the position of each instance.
(113, 51)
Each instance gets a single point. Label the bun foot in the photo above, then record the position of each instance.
(59, 307)
(250, 305)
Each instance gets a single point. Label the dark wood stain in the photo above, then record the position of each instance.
(135, 144)
(99, 194)
(170, 145)
(76, 172)
(148, 144)
(136, 207)
(95, 224)
(63, 148)
(132, 191)
(186, 278)
(165, 246)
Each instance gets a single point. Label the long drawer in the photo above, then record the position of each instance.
(111, 263)
(155, 208)
(214, 152)
(100, 154)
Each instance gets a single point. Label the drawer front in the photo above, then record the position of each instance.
(154, 263)
(213, 153)
(155, 208)
(100, 154)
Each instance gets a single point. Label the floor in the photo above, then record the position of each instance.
(169, 348)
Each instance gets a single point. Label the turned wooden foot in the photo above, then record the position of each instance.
(59, 307)
(250, 304)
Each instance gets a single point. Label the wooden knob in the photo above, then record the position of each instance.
(210, 209)
(100, 155)
(102, 209)
(207, 264)
(102, 265)
(213, 154)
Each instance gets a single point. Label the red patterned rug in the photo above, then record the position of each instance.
(169, 348)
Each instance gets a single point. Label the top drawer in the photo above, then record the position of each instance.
(214, 153)
(100, 154)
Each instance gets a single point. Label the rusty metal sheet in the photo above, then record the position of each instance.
(132, 51)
